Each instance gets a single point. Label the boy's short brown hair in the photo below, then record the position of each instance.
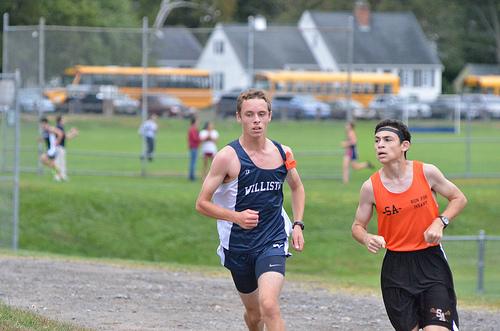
(252, 94)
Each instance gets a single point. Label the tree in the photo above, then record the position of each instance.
(484, 30)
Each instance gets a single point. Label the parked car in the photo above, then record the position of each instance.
(382, 105)
(167, 105)
(283, 107)
(394, 106)
(123, 104)
(226, 105)
(412, 106)
(300, 106)
(94, 103)
(446, 105)
(482, 105)
(340, 108)
(32, 100)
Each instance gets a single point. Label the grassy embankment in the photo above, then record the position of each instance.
(153, 218)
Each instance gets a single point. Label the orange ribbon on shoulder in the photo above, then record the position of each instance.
(289, 163)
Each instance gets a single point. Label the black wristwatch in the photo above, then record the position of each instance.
(445, 220)
(299, 223)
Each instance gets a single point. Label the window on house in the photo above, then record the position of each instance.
(417, 78)
(218, 81)
(428, 78)
(219, 47)
(404, 77)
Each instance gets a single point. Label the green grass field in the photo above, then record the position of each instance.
(153, 218)
(19, 320)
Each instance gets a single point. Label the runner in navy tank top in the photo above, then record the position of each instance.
(259, 189)
(244, 192)
(52, 137)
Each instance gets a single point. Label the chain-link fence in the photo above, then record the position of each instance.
(477, 255)
(9, 160)
(176, 71)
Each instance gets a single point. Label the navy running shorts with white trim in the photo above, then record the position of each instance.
(246, 268)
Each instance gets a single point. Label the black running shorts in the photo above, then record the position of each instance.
(417, 288)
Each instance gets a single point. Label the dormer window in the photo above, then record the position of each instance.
(219, 47)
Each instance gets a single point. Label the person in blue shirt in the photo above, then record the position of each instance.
(244, 192)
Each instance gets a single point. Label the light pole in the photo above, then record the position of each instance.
(257, 23)
(166, 7)
(350, 56)
(251, 44)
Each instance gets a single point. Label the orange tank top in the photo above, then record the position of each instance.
(404, 217)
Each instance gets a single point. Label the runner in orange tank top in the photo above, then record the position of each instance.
(417, 284)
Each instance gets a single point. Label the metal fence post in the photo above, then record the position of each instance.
(5, 53)
(41, 82)
(481, 241)
(17, 165)
(350, 51)
(144, 109)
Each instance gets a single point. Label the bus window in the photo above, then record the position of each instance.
(86, 79)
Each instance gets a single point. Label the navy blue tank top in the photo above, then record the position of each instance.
(261, 190)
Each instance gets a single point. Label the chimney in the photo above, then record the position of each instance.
(362, 14)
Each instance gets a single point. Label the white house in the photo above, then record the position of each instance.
(229, 48)
(390, 42)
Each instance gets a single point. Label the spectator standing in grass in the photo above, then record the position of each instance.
(208, 138)
(52, 137)
(60, 160)
(148, 131)
(193, 144)
(244, 192)
(417, 283)
(351, 154)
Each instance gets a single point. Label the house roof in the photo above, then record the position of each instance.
(393, 38)
(176, 43)
(477, 69)
(274, 48)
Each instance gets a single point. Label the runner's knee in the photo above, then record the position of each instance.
(253, 316)
(269, 308)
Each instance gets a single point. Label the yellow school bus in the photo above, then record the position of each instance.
(328, 86)
(487, 84)
(191, 86)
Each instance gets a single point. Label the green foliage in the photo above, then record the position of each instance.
(71, 12)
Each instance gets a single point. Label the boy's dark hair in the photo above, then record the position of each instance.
(44, 120)
(403, 132)
(252, 94)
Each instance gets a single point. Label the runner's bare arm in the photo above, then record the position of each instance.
(456, 201)
(221, 169)
(298, 201)
(363, 215)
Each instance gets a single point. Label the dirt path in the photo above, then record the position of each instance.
(110, 297)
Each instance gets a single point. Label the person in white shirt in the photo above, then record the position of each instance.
(148, 131)
(208, 138)
(60, 160)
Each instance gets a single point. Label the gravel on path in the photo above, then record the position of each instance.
(105, 296)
